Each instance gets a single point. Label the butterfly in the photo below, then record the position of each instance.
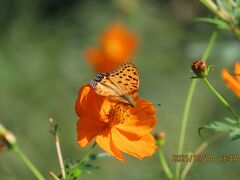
(120, 85)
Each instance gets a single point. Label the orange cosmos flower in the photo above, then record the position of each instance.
(117, 45)
(233, 81)
(116, 127)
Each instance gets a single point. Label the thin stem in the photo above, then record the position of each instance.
(60, 158)
(217, 10)
(54, 131)
(210, 45)
(27, 162)
(198, 151)
(11, 142)
(188, 105)
(165, 166)
(53, 175)
(184, 124)
(85, 157)
(220, 97)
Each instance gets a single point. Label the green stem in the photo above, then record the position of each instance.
(184, 124)
(225, 103)
(165, 166)
(85, 157)
(210, 45)
(188, 105)
(27, 162)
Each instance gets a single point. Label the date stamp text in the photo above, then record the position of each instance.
(205, 158)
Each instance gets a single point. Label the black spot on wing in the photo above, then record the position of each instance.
(98, 79)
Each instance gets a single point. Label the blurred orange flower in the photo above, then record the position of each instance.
(233, 81)
(116, 127)
(117, 45)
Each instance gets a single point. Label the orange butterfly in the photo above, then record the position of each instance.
(120, 85)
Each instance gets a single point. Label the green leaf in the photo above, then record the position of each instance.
(231, 121)
(238, 3)
(219, 23)
(237, 14)
(229, 126)
(221, 4)
(88, 168)
(74, 171)
(226, 5)
(99, 156)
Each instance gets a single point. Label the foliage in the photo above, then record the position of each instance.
(227, 12)
(74, 170)
(229, 126)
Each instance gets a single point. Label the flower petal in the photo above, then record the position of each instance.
(88, 103)
(97, 59)
(142, 119)
(118, 44)
(231, 82)
(132, 144)
(237, 71)
(105, 109)
(88, 129)
(105, 142)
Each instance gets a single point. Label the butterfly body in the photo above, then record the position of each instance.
(120, 85)
(129, 99)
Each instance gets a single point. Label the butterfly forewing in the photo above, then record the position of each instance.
(118, 84)
(126, 79)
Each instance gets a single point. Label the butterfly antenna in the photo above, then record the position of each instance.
(157, 104)
(143, 108)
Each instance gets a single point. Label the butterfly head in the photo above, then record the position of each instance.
(98, 79)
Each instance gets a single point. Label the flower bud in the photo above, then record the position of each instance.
(159, 135)
(7, 138)
(199, 68)
(160, 138)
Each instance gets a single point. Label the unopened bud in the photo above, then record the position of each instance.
(7, 138)
(200, 69)
(160, 138)
(159, 135)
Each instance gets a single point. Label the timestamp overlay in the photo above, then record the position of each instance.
(205, 158)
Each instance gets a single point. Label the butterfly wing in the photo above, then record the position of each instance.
(126, 79)
(104, 87)
(119, 84)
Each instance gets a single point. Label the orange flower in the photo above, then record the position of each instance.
(233, 82)
(117, 45)
(116, 127)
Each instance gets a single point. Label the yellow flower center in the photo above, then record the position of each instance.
(117, 115)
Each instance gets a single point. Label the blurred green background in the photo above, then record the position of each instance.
(42, 68)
